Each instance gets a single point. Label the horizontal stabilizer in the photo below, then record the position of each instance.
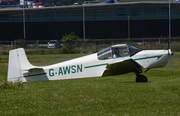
(34, 72)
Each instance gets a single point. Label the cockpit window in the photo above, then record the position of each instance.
(117, 51)
(113, 52)
(104, 53)
(120, 51)
(133, 50)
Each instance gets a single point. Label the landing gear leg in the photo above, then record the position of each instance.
(140, 78)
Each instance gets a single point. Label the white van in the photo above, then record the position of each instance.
(53, 44)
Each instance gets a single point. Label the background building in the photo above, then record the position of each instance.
(96, 21)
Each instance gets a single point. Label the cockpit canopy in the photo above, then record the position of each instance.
(115, 51)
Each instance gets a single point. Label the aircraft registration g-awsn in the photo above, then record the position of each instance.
(113, 60)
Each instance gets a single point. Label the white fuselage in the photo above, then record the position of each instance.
(151, 58)
(91, 66)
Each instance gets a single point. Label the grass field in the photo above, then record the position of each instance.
(107, 96)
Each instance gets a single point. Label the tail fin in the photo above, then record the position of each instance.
(18, 62)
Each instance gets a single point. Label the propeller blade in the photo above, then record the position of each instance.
(170, 53)
(171, 64)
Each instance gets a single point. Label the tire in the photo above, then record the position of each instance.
(141, 78)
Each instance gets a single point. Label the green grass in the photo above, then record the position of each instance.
(108, 96)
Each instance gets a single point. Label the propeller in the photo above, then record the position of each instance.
(170, 53)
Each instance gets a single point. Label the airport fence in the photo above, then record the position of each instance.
(87, 46)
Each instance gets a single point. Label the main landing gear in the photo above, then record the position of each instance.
(140, 78)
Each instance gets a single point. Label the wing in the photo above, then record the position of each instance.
(122, 67)
(34, 72)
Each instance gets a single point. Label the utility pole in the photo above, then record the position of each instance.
(129, 27)
(84, 28)
(24, 24)
(169, 24)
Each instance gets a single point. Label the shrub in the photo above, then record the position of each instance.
(69, 46)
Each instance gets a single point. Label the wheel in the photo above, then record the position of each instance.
(141, 78)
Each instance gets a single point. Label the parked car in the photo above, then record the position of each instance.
(53, 44)
(146, 43)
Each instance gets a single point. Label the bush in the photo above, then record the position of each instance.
(19, 43)
(69, 46)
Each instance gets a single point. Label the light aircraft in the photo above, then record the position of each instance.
(100, 64)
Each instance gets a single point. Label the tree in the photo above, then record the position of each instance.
(69, 43)
(70, 37)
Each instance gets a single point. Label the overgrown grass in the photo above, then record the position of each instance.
(107, 96)
(11, 85)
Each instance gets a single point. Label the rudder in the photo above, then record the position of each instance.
(18, 63)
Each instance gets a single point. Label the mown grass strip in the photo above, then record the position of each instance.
(109, 96)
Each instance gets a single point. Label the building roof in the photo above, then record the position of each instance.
(89, 6)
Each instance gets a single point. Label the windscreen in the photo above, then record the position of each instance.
(133, 50)
(52, 42)
(104, 53)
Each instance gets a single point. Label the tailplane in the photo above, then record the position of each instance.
(18, 62)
